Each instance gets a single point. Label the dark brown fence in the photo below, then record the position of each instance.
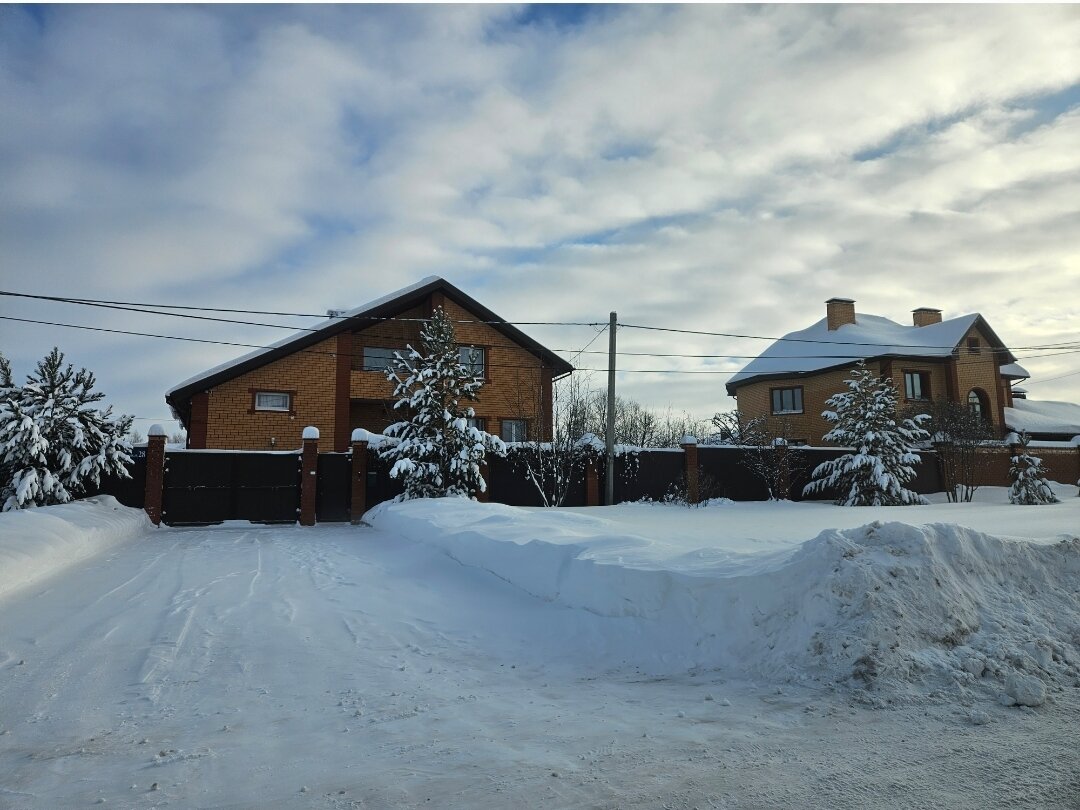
(200, 487)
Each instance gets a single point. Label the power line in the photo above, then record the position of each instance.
(149, 309)
(318, 352)
(1068, 344)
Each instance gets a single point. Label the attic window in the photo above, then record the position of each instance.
(973, 345)
(272, 401)
(473, 358)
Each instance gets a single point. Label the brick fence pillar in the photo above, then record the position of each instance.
(689, 446)
(309, 476)
(592, 484)
(154, 484)
(359, 475)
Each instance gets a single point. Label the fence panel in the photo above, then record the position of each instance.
(380, 486)
(202, 487)
(646, 474)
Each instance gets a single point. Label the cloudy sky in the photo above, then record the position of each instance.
(722, 168)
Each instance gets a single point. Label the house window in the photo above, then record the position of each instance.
(472, 357)
(513, 430)
(976, 403)
(787, 400)
(477, 422)
(272, 401)
(973, 345)
(916, 385)
(377, 358)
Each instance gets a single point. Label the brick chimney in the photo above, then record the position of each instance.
(924, 316)
(839, 311)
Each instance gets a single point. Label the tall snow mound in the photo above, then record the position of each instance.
(901, 611)
(36, 543)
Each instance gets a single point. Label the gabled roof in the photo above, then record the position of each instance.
(386, 306)
(817, 349)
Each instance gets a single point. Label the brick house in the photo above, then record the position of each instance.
(333, 376)
(961, 359)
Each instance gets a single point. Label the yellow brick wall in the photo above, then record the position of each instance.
(980, 370)
(232, 426)
(755, 400)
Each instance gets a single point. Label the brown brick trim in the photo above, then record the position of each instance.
(342, 384)
(200, 415)
(292, 400)
(547, 404)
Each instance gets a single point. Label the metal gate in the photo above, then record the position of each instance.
(333, 494)
(205, 487)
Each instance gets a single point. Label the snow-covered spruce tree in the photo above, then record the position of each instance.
(1029, 485)
(865, 418)
(54, 444)
(438, 452)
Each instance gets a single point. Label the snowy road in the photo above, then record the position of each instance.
(341, 667)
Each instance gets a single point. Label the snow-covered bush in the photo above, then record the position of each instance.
(1027, 474)
(54, 444)
(865, 418)
(438, 453)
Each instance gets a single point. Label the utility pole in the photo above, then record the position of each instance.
(609, 481)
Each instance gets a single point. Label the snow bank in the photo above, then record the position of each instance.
(35, 543)
(904, 610)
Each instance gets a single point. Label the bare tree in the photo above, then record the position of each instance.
(553, 467)
(957, 433)
(769, 455)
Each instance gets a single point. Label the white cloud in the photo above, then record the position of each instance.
(723, 168)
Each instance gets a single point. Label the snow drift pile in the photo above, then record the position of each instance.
(935, 611)
(35, 543)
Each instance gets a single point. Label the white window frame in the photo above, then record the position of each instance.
(273, 408)
(514, 424)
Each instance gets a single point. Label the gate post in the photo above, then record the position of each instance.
(592, 483)
(155, 473)
(309, 476)
(689, 446)
(359, 475)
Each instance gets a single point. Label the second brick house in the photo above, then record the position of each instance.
(333, 376)
(961, 359)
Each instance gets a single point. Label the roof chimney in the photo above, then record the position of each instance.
(839, 311)
(924, 316)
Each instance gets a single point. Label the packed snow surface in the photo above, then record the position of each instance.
(36, 543)
(466, 655)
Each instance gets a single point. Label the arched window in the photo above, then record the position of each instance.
(977, 403)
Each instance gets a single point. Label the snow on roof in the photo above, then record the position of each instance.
(1044, 417)
(870, 336)
(1014, 370)
(360, 310)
